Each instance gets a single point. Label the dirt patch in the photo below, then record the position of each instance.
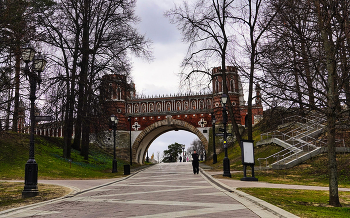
(11, 194)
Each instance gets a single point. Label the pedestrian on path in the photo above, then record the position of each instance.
(180, 158)
(195, 162)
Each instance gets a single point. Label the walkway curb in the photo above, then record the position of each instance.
(247, 199)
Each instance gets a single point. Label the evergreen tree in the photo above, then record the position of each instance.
(173, 152)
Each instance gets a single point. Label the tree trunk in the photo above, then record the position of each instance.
(305, 61)
(8, 111)
(67, 136)
(85, 139)
(83, 74)
(17, 72)
(326, 37)
(76, 145)
(297, 84)
(83, 90)
(251, 80)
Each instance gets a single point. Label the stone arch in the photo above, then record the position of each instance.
(149, 134)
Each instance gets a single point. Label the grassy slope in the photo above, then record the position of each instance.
(311, 172)
(234, 154)
(304, 203)
(48, 154)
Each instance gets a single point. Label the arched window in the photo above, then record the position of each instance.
(186, 105)
(136, 108)
(209, 104)
(201, 104)
(119, 94)
(232, 85)
(143, 108)
(151, 107)
(193, 105)
(178, 106)
(168, 106)
(159, 108)
(110, 91)
(129, 108)
(216, 86)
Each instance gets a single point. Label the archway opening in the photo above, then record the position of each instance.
(152, 132)
(162, 142)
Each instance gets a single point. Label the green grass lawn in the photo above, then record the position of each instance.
(312, 172)
(303, 203)
(51, 165)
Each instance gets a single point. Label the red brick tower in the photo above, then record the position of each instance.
(115, 91)
(234, 91)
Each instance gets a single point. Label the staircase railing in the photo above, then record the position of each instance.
(298, 137)
(288, 152)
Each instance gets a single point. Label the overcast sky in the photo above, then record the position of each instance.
(160, 75)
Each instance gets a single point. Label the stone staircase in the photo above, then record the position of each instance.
(298, 136)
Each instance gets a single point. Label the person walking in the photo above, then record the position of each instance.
(195, 162)
(180, 158)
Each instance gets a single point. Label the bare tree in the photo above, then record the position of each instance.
(254, 18)
(15, 31)
(312, 37)
(197, 145)
(96, 43)
(205, 26)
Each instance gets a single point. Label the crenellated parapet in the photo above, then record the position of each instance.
(181, 104)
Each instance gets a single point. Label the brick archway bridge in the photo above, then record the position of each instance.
(156, 115)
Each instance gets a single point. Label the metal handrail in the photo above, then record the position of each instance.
(297, 134)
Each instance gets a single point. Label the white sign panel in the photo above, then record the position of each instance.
(248, 152)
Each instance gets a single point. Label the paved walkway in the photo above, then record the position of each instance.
(163, 190)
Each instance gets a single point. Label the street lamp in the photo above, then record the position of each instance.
(113, 122)
(183, 153)
(213, 120)
(226, 161)
(31, 168)
(129, 119)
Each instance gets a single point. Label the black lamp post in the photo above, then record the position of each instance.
(31, 168)
(183, 153)
(213, 120)
(129, 119)
(113, 122)
(226, 161)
